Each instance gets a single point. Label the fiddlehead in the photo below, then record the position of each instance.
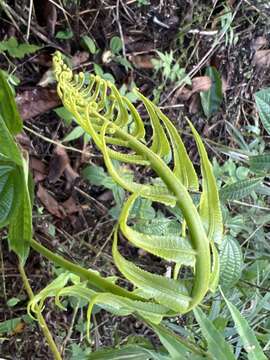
(118, 131)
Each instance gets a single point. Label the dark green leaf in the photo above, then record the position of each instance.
(132, 352)
(64, 114)
(9, 150)
(217, 346)
(9, 191)
(95, 175)
(175, 346)
(76, 133)
(262, 99)
(239, 189)
(247, 335)
(116, 45)
(211, 99)
(8, 108)
(20, 225)
(231, 262)
(260, 162)
(64, 34)
(89, 44)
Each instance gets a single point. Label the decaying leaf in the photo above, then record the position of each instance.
(262, 58)
(38, 168)
(259, 42)
(49, 202)
(36, 101)
(142, 61)
(201, 83)
(58, 163)
(70, 206)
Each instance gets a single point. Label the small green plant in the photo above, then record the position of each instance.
(16, 50)
(170, 69)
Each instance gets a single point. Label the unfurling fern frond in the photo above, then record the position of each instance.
(118, 131)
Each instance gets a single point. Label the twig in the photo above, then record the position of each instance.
(120, 28)
(29, 20)
(42, 323)
(67, 338)
(55, 142)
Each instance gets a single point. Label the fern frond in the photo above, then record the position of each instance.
(117, 129)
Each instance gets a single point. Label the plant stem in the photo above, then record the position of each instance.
(42, 323)
(91, 276)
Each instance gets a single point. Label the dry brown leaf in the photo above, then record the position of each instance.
(195, 104)
(259, 42)
(262, 58)
(49, 202)
(39, 169)
(201, 83)
(142, 61)
(71, 175)
(79, 58)
(58, 163)
(36, 101)
(25, 142)
(182, 94)
(19, 328)
(70, 205)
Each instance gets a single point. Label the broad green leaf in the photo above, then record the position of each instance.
(212, 98)
(76, 133)
(127, 352)
(64, 114)
(116, 45)
(13, 302)
(260, 163)
(239, 189)
(217, 346)
(262, 99)
(231, 262)
(89, 44)
(95, 174)
(9, 150)
(10, 188)
(8, 108)
(247, 335)
(64, 34)
(177, 347)
(20, 225)
(8, 326)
